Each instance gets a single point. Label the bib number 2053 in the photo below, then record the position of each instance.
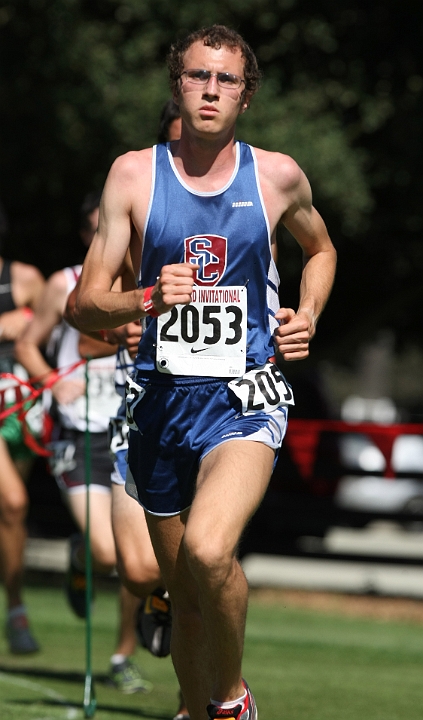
(262, 390)
(206, 337)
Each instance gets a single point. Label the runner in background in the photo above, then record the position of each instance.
(170, 123)
(68, 407)
(136, 561)
(20, 288)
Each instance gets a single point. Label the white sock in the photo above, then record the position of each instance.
(231, 704)
(117, 659)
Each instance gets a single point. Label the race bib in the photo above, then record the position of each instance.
(262, 390)
(134, 393)
(118, 435)
(206, 337)
(103, 400)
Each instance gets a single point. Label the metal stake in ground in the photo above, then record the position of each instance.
(90, 702)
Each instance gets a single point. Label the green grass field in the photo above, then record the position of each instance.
(301, 665)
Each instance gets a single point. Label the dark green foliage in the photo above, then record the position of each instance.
(81, 82)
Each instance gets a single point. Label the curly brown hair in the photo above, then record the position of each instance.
(215, 37)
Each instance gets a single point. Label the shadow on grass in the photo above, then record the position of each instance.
(136, 712)
(62, 675)
(77, 677)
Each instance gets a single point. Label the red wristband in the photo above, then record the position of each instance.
(148, 303)
(28, 313)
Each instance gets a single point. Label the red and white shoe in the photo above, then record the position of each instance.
(245, 711)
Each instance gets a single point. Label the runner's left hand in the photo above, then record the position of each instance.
(294, 333)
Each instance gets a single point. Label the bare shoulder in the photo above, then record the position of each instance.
(25, 273)
(57, 282)
(53, 298)
(55, 291)
(279, 169)
(49, 309)
(126, 194)
(131, 167)
(284, 185)
(27, 283)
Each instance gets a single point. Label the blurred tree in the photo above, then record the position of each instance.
(81, 82)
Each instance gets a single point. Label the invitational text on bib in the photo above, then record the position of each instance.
(207, 337)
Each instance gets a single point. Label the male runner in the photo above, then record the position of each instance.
(68, 467)
(208, 404)
(20, 288)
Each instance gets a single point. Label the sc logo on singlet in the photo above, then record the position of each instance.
(210, 253)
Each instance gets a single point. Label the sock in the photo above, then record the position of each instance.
(230, 704)
(117, 659)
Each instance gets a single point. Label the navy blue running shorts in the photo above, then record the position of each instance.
(180, 420)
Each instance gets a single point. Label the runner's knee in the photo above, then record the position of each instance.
(140, 576)
(104, 554)
(14, 506)
(208, 557)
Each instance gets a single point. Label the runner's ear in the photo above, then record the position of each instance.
(245, 104)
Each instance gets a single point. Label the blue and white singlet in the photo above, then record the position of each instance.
(227, 233)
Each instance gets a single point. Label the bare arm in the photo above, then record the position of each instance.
(97, 307)
(89, 347)
(27, 286)
(48, 313)
(296, 330)
(98, 342)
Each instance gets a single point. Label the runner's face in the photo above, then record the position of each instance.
(210, 108)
